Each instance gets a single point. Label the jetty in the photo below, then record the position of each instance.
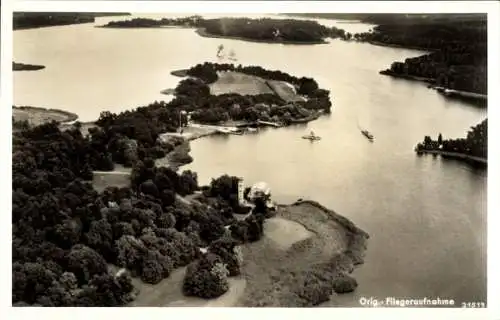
(270, 124)
(219, 129)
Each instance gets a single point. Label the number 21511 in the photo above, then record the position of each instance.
(473, 305)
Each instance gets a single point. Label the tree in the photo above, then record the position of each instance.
(206, 278)
(345, 284)
(130, 253)
(84, 262)
(155, 267)
(100, 238)
(230, 254)
(427, 140)
(30, 281)
(440, 139)
(212, 228)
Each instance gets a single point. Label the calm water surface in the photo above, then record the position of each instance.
(426, 216)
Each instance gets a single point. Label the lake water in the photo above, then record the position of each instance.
(426, 216)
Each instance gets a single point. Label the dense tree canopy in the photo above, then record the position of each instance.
(267, 107)
(475, 144)
(28, 20)
(66, 234)
(266, 29)
(458, 46)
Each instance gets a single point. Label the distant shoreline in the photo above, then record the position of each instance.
(26, 67)
(180, 73)
(407, 77)
(442, 90)
(43, 19)
(455, 155)
(382, 44)
(143, 27)
(203, 33)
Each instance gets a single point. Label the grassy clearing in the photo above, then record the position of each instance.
(236, 82)
(284, 233)
(102, 180)
(240, 83)
(277, 275)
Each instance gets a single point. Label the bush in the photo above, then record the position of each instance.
(249, 230)
(206, 278)
(155, 267)
(230, 254)
(345, 284)
(313, 291)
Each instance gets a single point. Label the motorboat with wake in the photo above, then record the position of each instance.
(311, 137)
(367, 134)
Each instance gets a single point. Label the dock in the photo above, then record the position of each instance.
(220, 129)
(269, 124)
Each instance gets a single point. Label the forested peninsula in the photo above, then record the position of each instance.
(76, 246)
(26, 67)
(457, 45)
(30, 20)
(473, 148)
(265, 30)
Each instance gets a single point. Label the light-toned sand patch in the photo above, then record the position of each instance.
(284, 233)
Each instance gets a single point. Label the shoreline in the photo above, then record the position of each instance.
(17, 66)
(181, 73)
(447, 92)
(389, 73)
(388, 45)
(455, 155)
(38, 115)
(143, 27)
(284, 270)
(202, 32)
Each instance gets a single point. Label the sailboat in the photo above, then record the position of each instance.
(219, 51)
(232, 56)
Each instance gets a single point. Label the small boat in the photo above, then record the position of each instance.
(367, 134)
(311, 138)
(250, 129)
(237, 132)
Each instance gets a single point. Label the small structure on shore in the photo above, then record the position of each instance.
(258, 191)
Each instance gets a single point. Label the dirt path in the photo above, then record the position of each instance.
(168, 293)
